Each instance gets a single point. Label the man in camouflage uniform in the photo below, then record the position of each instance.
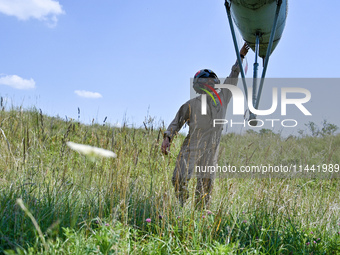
(201, 146)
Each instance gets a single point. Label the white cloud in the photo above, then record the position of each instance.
(87, 94)
(46, 10)
(117, 125)
(17, 82)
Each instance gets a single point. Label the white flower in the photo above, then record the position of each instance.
(90, 150)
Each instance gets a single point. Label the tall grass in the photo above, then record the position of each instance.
(101, 207)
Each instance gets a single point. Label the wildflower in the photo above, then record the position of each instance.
(312, 232)
(203, 216)
(160, 217)
(209, 212)
(107, 224)
(243, 212)
(308, 243)
(244, 221)
(318, 239)
(148, 220)
(314, 241)
(90, 150)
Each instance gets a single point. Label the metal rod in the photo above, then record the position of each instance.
(269, 49)
(227, 6)
(256, 65)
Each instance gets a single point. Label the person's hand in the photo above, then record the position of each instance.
(244, 49)
(166, 146)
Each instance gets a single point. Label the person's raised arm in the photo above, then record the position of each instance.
(244, 50)
(235, 70)
(232, 79)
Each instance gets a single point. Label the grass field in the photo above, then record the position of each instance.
(126, 205)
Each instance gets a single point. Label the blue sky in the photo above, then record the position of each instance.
(137, 57)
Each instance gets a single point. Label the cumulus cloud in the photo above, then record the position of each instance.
(17, 82)
(88, 94)
(117, 125)
(46, 10)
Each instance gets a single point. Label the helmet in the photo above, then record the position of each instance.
(201, 77)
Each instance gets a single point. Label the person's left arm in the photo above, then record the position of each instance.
(180, 119)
